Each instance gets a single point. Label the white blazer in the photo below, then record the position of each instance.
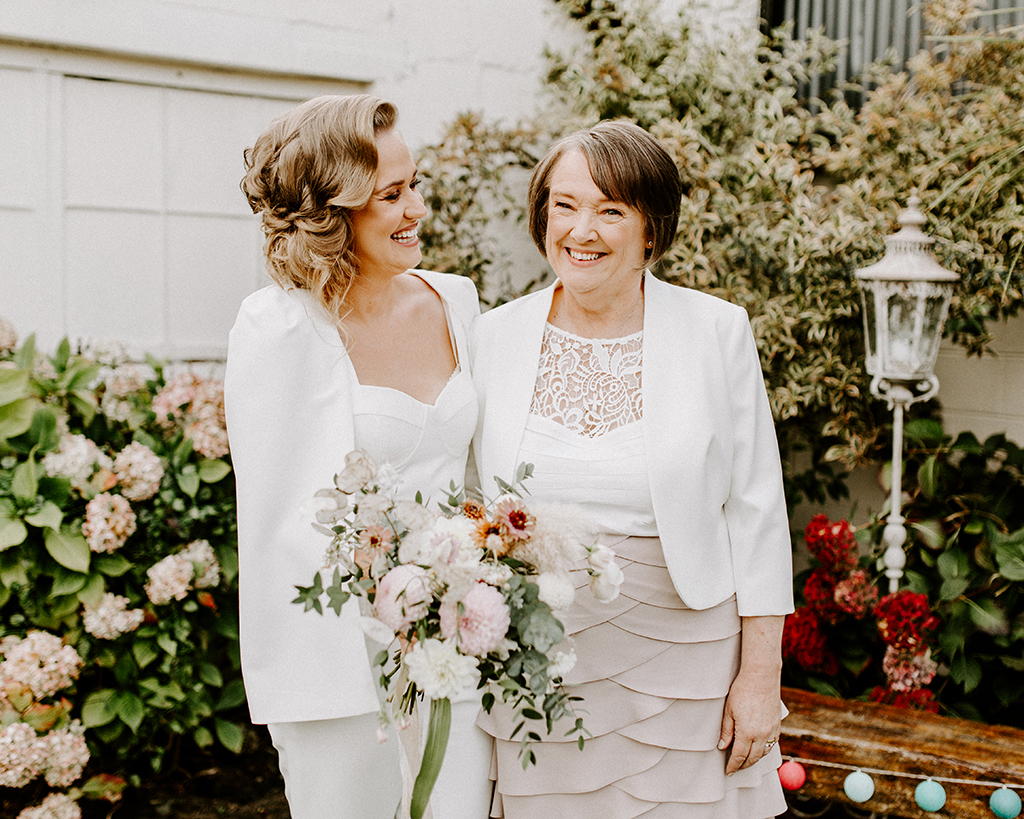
(712, 455)
(288, 398)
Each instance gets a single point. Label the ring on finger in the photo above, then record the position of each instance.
(770, 744)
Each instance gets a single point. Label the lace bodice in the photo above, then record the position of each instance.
(589, 385)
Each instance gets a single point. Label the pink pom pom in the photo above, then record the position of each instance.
(792, 775)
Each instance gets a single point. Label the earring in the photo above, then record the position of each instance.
(650, 243)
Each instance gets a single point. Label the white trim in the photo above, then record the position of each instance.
(193, 78)
(164, 32)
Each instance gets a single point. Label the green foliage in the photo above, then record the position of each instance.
(175, 675)
(784, 201)
(965, 514)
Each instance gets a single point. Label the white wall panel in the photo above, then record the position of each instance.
(212, 264)
(115, 266)
(206, 135)
(20, 149)
(113, 143)
(30, 291)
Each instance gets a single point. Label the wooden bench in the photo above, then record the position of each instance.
(868, 735)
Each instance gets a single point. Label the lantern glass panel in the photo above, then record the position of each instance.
(934, 316)
(899, 357)
(870, 326)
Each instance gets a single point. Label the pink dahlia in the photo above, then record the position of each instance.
(402, 596)
(482, 622)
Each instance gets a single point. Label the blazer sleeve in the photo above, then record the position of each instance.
(288, 411)
(755, 509)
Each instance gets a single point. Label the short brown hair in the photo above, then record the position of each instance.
(304, 176)
(629, 166)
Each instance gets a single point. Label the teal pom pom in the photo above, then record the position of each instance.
(930, 795)
(1005, 803)
(859, 786)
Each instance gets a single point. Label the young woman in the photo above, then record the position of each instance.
(351, 347)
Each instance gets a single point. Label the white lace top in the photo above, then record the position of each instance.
(583, 435)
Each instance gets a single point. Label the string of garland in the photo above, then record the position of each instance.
(1004, 802)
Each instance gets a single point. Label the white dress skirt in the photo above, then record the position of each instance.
(653, 673)
(337, 769)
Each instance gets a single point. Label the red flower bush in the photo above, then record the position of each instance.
(805, 642)
(844, 633)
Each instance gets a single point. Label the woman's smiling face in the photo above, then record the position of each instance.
(384, 231)
(594, 244)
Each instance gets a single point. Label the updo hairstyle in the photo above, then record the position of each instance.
(304, 176)
(628, 166)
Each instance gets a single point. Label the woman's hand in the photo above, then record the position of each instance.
(752, 720)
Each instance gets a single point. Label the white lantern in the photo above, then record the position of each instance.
(905, 297)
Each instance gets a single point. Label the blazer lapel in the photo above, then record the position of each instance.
(512, 362)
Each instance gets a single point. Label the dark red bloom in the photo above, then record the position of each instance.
(832, 543)
(905, 620)
(820, 594)
(921, 699)
(804, 642)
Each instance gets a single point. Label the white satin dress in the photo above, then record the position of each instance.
(427, 446)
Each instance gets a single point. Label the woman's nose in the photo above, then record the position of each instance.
(415, 207)
(583, 226)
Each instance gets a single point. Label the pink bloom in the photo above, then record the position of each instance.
(856, 595)
(482, 623)
(402, 596)
(908, 672)
(111, 618)
(54, 806)
(109, 522)
(197, 405)
(41, 661)
(66, 755)
(139, 471)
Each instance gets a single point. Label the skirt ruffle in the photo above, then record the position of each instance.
(654, 676)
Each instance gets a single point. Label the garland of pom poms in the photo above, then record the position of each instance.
(1004, 802)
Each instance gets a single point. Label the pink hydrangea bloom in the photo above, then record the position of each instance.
(139, 471)
(197, 404)
(41, 661)
(170, 579)
(22, 758)
(856, 595)
(908, 672)
(77, 459)
(206, 567)
(402, 596)
(118, 386)
(109, 522)
(66, 755)
(54, 806)
(111, 618)
(482, 624)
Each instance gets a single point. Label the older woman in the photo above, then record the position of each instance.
(644, 404)
(349, 348)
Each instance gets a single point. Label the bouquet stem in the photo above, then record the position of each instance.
(433, 755)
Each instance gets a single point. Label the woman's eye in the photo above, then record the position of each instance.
(563, 205)
(415, 184)
(392, 197)
(613, 212)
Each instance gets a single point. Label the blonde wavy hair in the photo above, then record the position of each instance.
(304, 176)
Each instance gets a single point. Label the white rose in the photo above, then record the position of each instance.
(605, 586)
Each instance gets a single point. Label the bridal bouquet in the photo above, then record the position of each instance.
(462, 597)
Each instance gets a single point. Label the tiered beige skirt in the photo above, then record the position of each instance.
(654, 676)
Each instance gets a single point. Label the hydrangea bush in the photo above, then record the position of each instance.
(117, 546)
